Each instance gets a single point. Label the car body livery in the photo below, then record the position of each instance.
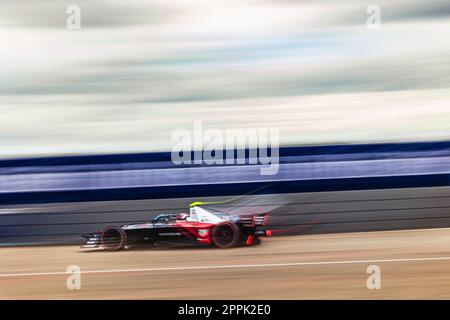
(201, 225)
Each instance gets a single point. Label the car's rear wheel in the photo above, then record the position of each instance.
(225, 235)
(113, 239)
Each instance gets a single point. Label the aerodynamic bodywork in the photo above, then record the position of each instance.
(201, 225)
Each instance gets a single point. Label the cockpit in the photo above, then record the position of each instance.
(164, 217)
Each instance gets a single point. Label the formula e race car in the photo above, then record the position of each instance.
(199, 226)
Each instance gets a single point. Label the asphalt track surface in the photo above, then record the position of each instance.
(330, 238)
(414, 264)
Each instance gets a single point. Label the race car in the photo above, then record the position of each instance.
(201, 226)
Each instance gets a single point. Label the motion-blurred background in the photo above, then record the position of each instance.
(139, 69)
(359, 91)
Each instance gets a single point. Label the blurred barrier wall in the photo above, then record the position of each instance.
(329, 189)
(147, 176)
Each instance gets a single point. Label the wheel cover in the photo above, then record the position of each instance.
(113, 239)
(225, 236)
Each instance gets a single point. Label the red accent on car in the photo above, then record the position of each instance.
(193, 227)
(250, 240)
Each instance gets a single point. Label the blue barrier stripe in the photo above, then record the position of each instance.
(320, 168)
(284, 152)
(222, 175)
(169, 164)
(391, 182)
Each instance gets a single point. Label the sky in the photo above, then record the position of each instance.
(137, 70)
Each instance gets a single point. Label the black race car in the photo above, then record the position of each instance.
(199, 226)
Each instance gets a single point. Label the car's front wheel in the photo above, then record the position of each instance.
(113, 239)
(225, 235)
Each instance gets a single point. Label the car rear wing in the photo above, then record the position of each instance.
(257, 220)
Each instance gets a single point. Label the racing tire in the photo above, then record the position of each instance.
(113, 239)
(225, 235)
